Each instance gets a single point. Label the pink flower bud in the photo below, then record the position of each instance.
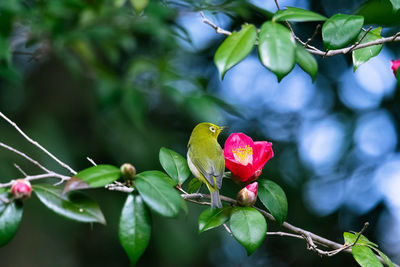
(395, 66)
(248, 195)
(21, 189)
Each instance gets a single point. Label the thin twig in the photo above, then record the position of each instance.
(37, 144)
(314, 50)
(351, 48)
(309, 237)
(312, 36)
(215, 27)
(20, 170)
(25, 156)
(91, 161)
(227, 228)
(38, 177)
(277, 5)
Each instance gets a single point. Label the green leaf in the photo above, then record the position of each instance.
(139, 5)
(365, 256)
(276, 49)
(340, 30)
(385, 258)
(10, 218)
(273, 198)
(211, 218)
(162, 176)
(235, 48)
(297, 14)
(158, 194)
(194, 185)
(174, 164)
(134, 227)
(395, 4)
(398, 76)
(362, 55)
(379, 12)
(249, 227)
(100, 175)
(75, 205)
(306, 61)
(350, 238)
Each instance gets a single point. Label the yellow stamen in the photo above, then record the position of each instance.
(243, 154)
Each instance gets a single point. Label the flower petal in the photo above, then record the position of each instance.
(238, 169)
(263, 153)
(234, 141)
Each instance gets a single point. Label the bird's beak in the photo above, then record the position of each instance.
(223, 128)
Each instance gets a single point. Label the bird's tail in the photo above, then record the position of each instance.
(215, 200)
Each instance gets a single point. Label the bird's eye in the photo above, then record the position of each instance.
(212, 129)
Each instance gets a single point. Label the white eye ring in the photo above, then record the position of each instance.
(212, 129)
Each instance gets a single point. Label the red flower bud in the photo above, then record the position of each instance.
(21, 189)
(128, 171)
(248, 195)
(395, 66)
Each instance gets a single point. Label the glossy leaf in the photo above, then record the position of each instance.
(350, 238)
(194, 185)
(75, 184)
(75, 205)
(398, 77)
(306, 61)
(249, 227)
(379, 12)
(158, 194)
(362, 55)
(10, 218)
(276, 49)
(235, 48)
(340, 30)
(134, 227)
(297, 14)
(385, 258)
(100, 175)
(365, 256)
(395, 4)
(273, 198)
(161, 175)
(174, 164)
(211, 218)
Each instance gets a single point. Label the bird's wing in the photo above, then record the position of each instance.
(210, 168)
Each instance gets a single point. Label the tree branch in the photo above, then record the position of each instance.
(309, 237)
(215, 27)
(197, 198)
(314, 50)
(13, 124)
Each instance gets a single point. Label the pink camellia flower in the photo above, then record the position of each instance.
(248, 195)
(21, 189)
(395, 66)
(245, 158)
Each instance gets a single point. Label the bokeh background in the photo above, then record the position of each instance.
(95, 79)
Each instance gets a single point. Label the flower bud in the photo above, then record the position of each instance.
(21, 189)
(128, 171)
(248, 195)
(395, 66)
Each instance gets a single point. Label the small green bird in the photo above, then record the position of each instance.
(206, 159)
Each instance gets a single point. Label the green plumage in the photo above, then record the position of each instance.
(206, 159)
